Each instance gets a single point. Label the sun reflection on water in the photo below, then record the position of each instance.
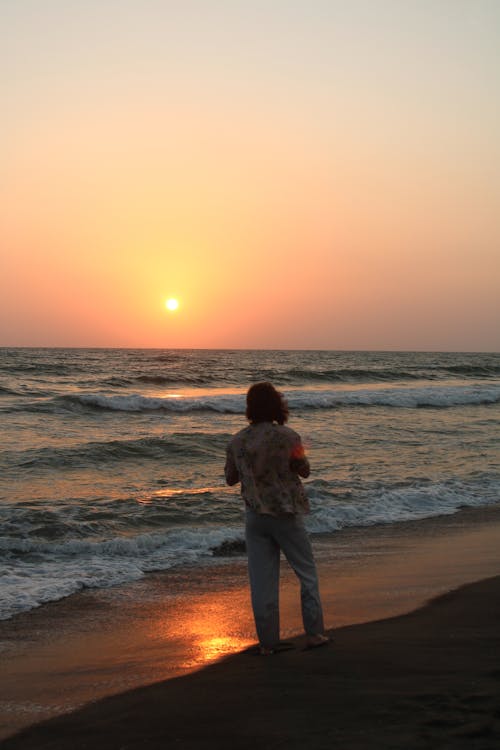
(207, 629)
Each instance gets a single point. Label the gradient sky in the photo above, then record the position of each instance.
(298, 173)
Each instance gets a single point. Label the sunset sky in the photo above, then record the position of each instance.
(296, 173)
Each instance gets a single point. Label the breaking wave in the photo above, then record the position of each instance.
(406, 398)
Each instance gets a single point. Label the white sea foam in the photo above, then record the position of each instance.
(437, 396)
(63, 568)
(392, 505)
(137, 403)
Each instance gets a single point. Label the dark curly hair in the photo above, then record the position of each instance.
(266, 404)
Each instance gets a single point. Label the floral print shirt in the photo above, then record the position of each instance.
(267, 459)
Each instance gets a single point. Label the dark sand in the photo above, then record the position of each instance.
(430, 679)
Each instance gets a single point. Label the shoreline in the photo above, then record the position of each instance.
(100, 643)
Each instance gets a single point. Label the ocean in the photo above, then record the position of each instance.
(111, 460)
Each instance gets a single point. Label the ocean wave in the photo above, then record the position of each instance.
(473, 371)
(151, 545)
(115, 381)
(42, 368)
(29, 526)
(353, 375)
(410, 501)
(173, 379)
(185, 379)
(186, 445)
(405, 397)
(61, 569)
(139, 403)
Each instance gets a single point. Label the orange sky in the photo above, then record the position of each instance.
(298, 175)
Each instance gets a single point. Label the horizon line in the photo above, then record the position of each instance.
(252, 349)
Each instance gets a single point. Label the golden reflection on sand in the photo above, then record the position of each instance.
(207, 628)
(212, 648)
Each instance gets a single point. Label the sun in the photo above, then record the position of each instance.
(172, 304)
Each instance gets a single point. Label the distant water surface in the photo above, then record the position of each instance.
(111, 460)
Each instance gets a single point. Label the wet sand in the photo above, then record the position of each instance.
(422, 678)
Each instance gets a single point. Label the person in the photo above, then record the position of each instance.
(268, 459)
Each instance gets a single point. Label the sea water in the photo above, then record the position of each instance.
(111, 460)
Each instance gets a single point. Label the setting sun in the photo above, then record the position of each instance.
(172, 304)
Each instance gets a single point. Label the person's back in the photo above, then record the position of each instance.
(268, 458)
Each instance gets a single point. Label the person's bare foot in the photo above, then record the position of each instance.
(277, 648)
(315, 641)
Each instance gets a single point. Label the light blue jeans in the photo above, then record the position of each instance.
(265, 536)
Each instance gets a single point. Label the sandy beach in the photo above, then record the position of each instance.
(424, 679)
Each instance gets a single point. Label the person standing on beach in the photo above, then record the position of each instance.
(268, 458)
